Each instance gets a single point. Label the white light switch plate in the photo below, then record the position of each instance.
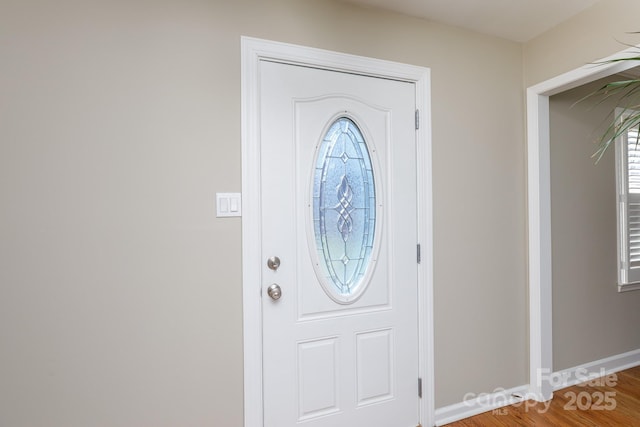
(228, 204)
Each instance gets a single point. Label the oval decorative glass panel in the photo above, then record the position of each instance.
(344, 210)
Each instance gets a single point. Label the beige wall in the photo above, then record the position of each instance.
(591, 320)
(600, 31)
(120, 292)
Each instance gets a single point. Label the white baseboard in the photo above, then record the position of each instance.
(596, 369)
(484, 402)
(477, 404)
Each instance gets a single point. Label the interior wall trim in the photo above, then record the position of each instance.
(473, 404)
(596, 369)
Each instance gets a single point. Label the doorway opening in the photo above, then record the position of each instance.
(539, 213)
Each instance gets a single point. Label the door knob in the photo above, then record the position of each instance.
(274, 292)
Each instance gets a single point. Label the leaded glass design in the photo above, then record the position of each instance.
(344, 207)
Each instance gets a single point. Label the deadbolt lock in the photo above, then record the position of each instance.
(273, 263)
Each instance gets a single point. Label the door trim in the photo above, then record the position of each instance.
(539, 212)
(256, 50)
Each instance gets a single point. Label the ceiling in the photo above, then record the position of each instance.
(517, 20)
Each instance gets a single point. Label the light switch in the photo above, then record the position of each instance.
(228, 204)
(224, 205)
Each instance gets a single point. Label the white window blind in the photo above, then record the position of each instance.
(628, 186)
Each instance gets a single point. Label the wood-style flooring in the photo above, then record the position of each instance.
(595, 403)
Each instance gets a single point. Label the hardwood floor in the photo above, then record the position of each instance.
(609, 401)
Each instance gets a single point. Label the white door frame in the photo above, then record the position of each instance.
(539, 212)
(254, 51)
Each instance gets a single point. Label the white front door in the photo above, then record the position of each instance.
(338, 209)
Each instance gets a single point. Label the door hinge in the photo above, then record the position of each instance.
(419, 257)
(420, 388)
(417, 119)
